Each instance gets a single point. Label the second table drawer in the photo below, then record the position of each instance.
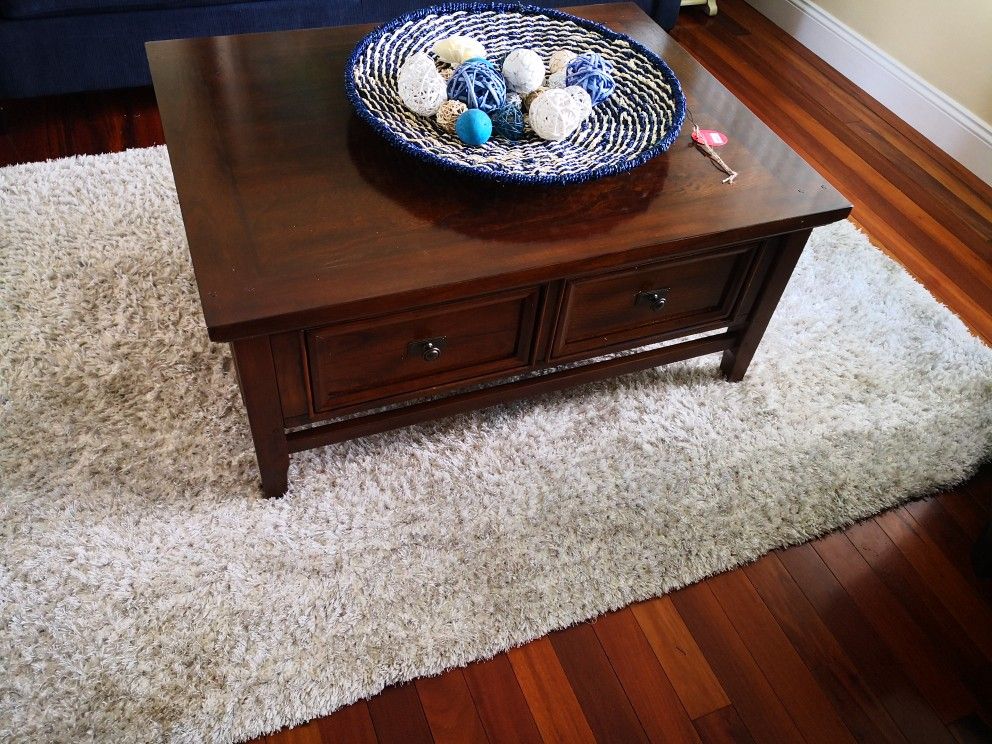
(382, 358)
(633, 305)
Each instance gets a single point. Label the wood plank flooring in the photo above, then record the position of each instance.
(879, 633)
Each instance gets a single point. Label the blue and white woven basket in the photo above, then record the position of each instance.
(640, 120)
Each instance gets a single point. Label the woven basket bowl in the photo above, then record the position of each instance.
(640, 120)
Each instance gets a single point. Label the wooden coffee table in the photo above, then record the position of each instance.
(348, 277)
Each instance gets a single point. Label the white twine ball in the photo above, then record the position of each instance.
(556, 79)
(559, 60)
(456, 49)
(421, 87)
(557, 113)
(523, 70)
(582, 98)
(514, 99)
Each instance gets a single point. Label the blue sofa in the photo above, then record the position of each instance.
(62, 46)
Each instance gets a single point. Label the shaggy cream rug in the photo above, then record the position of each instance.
(148, 592)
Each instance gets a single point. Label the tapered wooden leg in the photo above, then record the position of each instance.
(257, 377)
(736, 360)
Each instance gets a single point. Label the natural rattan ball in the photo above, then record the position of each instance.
(448, 114)
(532, 96)
(559, 60)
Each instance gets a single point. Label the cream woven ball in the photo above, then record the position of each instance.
(559, 60)
(557, 113)
(582, 98)
(523, 70)
(421, 87)
(448, 114)
(456, 49)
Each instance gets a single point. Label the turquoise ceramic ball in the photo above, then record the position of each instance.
(474, 127)
(479, 59)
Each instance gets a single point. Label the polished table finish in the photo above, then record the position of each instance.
(347, 276)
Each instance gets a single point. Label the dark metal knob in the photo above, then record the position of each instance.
(654, 299)
(657, 301)
(431, 352)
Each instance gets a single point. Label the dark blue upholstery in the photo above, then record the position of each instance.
(61, 46)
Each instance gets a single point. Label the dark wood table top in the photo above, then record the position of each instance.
(297, 213)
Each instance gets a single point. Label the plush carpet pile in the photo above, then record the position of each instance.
(148, 592)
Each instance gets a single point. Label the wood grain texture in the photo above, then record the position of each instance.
(597, 687)
(450, 709)
(398, 716)
(792, 681)
(501, 703)
(552, 701)
(270, 254)
(676, 648)
(753, 697)
(935, 587)
(648, 688)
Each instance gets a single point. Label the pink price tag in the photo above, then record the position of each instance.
(710, 137)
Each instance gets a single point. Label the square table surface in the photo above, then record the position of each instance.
(297, 213)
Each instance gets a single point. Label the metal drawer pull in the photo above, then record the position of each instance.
(653, 298)
(429, 349)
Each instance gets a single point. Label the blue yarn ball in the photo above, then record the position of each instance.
(473, 127)
(478, 85)
(591, 72)
(508, 122)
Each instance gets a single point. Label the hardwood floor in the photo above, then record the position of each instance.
(878, 633)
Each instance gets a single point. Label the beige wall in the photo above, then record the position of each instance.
(946, 42)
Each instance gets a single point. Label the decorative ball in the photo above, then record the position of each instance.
(448, 114)
(508, 122)
(474, 127)
(421, 87)
(523, 70)
(557, 113)
(581, 98)
(559, 60)
(446, 74)
(592, 73)
(532, 96)
(478, 85)
(456, 49)
(556, 79)
(514, 99)
(480, 59)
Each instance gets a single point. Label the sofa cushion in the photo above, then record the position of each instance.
(20, 9)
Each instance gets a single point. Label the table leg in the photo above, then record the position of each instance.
(257, 377)
(736, 360)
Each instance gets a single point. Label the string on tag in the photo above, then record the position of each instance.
(705, 148)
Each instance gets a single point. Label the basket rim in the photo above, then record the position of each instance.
(428, 156)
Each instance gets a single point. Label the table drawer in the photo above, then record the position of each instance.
(634, 305)
(387, 357)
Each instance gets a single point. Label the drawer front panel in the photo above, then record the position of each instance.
(369, 360)
(634, 305)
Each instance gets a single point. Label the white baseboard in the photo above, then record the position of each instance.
(949, 125)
